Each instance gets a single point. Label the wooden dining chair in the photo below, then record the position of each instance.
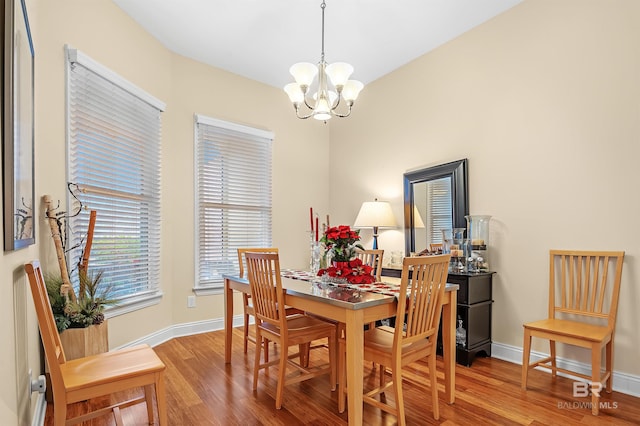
(97, 375)
(247, 307)
(584, 287)
(372, 258)
(273, 324)
(423, 282)
(435, 247)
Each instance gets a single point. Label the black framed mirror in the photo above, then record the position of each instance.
(435, 198)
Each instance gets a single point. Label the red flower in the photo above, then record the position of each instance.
(341, 241)
(353, 271)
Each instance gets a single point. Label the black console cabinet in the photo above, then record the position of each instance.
(473, 308)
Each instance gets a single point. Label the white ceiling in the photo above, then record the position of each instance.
(261, 39)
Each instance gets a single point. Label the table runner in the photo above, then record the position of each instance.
(379, 287)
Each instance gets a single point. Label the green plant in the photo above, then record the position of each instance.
(89, 307)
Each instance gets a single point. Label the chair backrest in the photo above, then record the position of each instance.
(242, 251)
(263, 272)
(585, 283)
(53, 350)
(424, 279)
(435, 247)
(372, 258)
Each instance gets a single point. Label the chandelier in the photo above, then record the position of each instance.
(324, 103)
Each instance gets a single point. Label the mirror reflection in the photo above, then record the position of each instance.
(433, 211)
(435, 198)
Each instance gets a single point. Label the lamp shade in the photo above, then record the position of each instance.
(375, 214)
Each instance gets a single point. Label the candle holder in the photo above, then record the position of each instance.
(478, 235)
(315, 254)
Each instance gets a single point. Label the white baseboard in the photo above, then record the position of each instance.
(622, 382)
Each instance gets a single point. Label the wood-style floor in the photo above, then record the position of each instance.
(203, 390)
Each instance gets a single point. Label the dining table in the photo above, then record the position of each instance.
(354, 308)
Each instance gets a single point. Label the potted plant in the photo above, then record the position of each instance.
(81, 323)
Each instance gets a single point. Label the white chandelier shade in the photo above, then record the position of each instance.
(326, 100)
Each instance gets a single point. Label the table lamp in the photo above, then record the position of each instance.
(375, 214)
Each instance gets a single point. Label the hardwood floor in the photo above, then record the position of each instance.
(202, 390)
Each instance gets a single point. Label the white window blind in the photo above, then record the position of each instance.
(439, 210)
(114, 156)
(233, 181)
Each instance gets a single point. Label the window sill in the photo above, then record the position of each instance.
(133, 304)
(208, 291)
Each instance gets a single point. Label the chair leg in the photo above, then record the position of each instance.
(148, 397)
(282, 374)
(246, 332)
(59, 410)
(397, 390)
(256, 362)
(596, 357)
(245, 301)
(552, 353)
(526, 348)
(433, 379)
(381, 373)
(303, 350)
(609, 364)
(161, 401)
(342, 377)
(332, 359)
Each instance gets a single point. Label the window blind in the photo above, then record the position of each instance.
(439, 213)
(233, 196)
(114, 132)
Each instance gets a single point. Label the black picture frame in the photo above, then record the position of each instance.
(18, 127)
(457, 171)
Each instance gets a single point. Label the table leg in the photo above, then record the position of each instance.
(449, 346)
(355, 362)
(228, 320)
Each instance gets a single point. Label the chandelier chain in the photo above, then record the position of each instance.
(322, 6)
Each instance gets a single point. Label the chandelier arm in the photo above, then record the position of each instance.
(306, 102)
(348, 113)
(303, 117)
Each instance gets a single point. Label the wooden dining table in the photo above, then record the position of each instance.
(354, 309)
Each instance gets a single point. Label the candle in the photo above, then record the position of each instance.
(316, 228)
(311, 217)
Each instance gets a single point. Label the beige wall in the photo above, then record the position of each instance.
(544, 102)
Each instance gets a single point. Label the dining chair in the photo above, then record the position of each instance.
(247, 307)
(273, 324)
(372, 258)
(584, 288)
(96, 375)
(423, 281)
(435, 247)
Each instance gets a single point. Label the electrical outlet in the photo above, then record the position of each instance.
(191, 301)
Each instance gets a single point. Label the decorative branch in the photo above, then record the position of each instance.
(56, 225)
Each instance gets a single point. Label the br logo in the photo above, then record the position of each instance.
(581, 389)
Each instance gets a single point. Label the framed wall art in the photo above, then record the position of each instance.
(18, 127)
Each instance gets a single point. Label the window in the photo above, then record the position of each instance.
(113, 147)
(233, 200)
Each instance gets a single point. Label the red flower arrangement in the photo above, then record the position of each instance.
(341, 242)
(353, 271)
